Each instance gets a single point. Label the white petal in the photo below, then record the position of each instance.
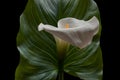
(95, 24)
(41, 27)
(73, 23)
(46, 27)
(81, 35)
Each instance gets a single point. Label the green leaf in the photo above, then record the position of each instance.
(39, 58)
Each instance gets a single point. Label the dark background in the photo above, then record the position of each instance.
(9, 55)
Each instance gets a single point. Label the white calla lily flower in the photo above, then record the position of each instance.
(76, 32)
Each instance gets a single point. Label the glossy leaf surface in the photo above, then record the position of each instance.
(38, 51)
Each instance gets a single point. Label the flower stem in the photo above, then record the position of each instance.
(61, 48)
(61, 69)
(61, 76)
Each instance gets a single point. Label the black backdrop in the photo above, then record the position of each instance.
(9, 55)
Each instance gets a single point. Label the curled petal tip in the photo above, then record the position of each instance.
(41, 27)
(94, 21)
(95, 24)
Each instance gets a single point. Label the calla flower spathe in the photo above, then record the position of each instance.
(76, 32)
